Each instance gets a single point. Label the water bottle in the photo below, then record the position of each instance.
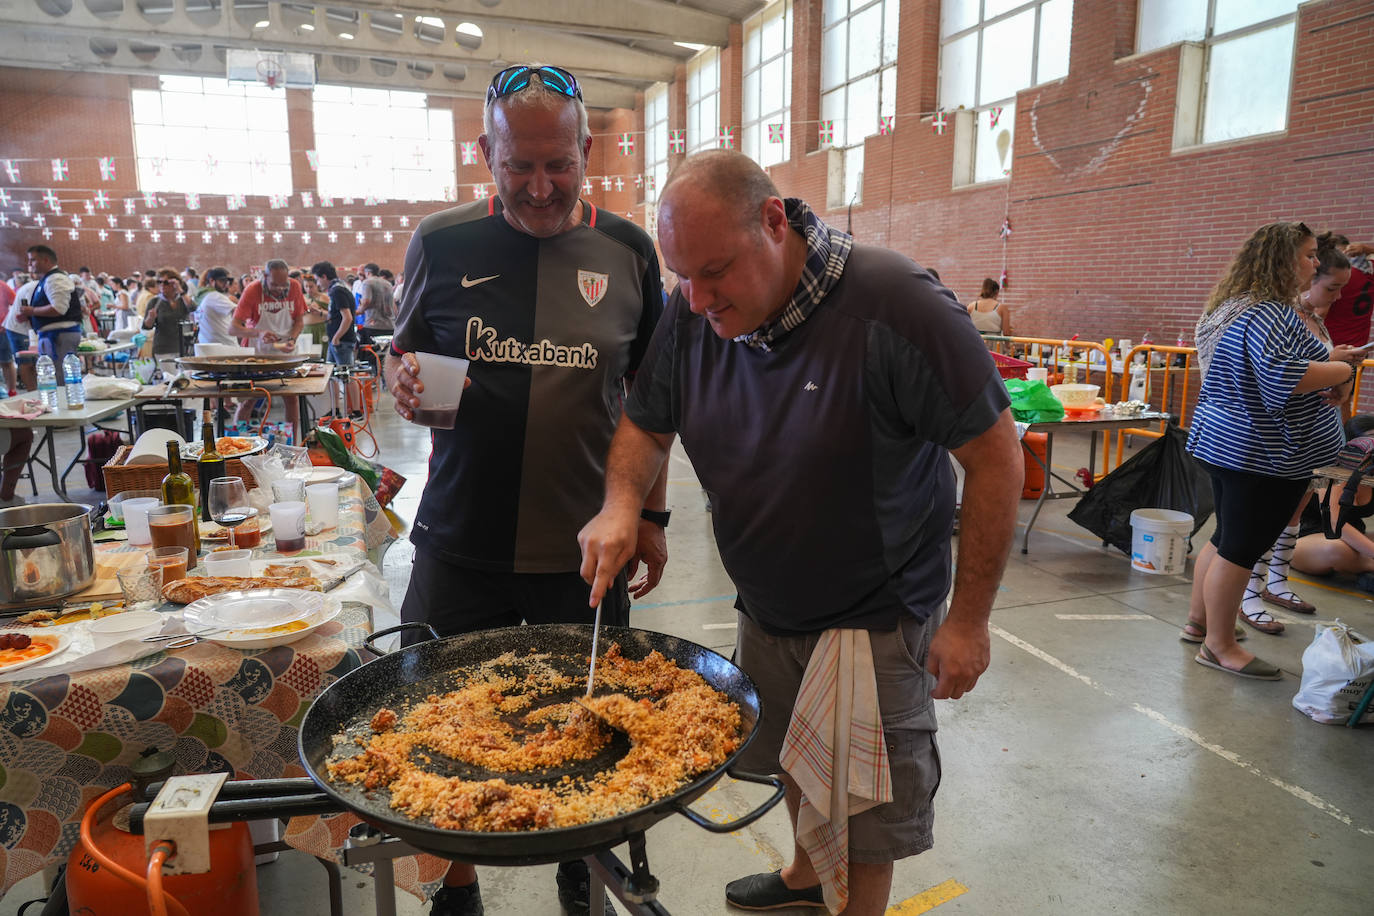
(47, 382)
(76, 389)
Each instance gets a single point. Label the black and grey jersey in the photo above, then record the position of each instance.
(553, 327)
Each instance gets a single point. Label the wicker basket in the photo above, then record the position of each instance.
(120, 476)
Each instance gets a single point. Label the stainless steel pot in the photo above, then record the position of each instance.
(45, 552)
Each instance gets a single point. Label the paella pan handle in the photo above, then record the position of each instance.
(370, 641)
(730, 827)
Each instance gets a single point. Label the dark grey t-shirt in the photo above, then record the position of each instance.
(826, 457)
(552, 328)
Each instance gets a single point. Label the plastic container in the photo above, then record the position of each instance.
(117, 501)
(76, 389)
(1159, 541)
(288, 525)
(1035, 443)
(323, 500)
(443, 378)
(136, 519)
(229, 563)
(47, 382)
(1007, 367)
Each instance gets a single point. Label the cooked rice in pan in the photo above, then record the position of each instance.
(678, 726)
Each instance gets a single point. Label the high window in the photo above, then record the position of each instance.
(1235, 82)
(767, 97)
(655, 140)
(703, 101)
(858, 81)
(195, 135)
(989, 51)
(383, 143)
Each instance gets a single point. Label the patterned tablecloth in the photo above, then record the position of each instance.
(66, 739)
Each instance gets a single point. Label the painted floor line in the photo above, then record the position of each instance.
(719, 626)
(641, 607)
(1104, 617)
(1182, 731)
(928, 900)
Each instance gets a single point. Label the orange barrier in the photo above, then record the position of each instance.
(1050, 353)
(1175, 381)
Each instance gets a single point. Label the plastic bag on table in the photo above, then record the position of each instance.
(1160, 476)
(1337, 669)
(1033, 402)
(274, 464)
(341, 456)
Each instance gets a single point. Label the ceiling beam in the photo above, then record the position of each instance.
(48, 50)
(590, 56)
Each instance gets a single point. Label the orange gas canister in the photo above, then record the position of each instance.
(1035, 474)
(230, 888)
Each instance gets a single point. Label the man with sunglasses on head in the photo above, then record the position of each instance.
(553, 302)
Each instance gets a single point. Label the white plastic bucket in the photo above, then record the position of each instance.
(1159, 541)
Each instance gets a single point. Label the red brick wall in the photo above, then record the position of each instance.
(80, 117)
(1114, 233)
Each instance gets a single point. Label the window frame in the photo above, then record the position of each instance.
(969, 130)
(1195, 75)
(655, 141)
(442, 183)
(710, 139)
(754, 132)
(234, 145)
(847, 156)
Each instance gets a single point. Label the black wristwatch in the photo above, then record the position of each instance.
(658, 518)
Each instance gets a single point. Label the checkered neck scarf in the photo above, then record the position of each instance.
(827, 250)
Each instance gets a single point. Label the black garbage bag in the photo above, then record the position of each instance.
(1160, 476)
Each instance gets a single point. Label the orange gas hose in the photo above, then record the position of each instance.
(157, 898)
(105, 861)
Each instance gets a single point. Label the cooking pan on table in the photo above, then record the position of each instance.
(256, 364)
(411, 674)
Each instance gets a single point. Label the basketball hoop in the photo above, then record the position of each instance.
(270, 72)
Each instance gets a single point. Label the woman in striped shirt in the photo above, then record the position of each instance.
(1266, 415)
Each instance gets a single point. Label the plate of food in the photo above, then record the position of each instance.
(195, 588)
(19, 649)
(216, 533)
(261, 618)
(227, 446)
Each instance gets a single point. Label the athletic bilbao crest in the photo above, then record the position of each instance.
(592, 286)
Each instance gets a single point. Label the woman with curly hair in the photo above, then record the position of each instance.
(1266, 415)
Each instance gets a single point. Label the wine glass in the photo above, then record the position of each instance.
(229, 504)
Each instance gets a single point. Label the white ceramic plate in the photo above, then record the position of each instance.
(266, 637)
(193, 449)
(321, 475)
(253, 607)
(126, 622)
(58, 641)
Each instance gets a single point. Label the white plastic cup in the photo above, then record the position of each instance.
(136, 520)
(1037, 374)
(288, 490)
(228, 563)
(323, 500)
(288, 525)
(443, 378)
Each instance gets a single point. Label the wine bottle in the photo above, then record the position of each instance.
(211, 464)
(178, 489)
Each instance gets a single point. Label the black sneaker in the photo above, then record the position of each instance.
(457, 901)
(767, 892)
(575, 889)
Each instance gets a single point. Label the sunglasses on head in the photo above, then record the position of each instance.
(513, 79)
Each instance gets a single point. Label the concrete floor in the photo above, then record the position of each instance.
(1095, 769)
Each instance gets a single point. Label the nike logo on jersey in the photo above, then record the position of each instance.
(470, 283)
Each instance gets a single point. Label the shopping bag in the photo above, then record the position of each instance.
(1160, 476)
(1033, 402)
(1336, 671)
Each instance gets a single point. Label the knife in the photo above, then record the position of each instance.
(339, 579)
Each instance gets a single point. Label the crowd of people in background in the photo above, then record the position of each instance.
(159, 301)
